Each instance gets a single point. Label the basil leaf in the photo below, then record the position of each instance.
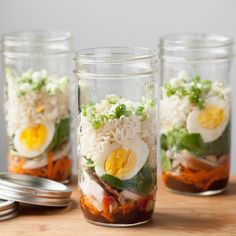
(112, 181)
(62, 133)
(143, 182)
(193, 143)
(180, 139)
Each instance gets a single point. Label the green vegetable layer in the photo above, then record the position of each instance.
(179, 139)
(62, 134)
(142, 183)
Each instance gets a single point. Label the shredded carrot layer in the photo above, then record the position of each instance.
(202, 179)
(50, 166)
(58, 170)
(86, 202)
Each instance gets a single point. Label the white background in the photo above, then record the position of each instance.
(119, 23)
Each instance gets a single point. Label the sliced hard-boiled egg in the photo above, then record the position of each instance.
(211, 121)
(122, 161)
(33, 141)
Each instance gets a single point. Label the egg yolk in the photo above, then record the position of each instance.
(120, 162)
(211, 117)
(34, 137)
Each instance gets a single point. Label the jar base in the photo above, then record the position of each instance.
(117, 225)
(205, 193)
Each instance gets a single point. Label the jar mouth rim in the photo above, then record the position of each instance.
(194, 41)
(114, 54)
(36, 37)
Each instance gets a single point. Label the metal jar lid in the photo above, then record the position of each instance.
(8, 209)
(34, 190)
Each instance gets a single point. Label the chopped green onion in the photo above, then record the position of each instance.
(120, 110)
(195, 91)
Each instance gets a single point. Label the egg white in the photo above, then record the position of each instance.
(209, 135)
(138, 146)
(29, 153)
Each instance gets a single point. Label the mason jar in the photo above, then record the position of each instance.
(38, 71)
(117, 134)
(195, 112)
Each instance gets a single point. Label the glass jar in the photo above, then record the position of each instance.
(38, 69)
(195, 112)
(117, 134)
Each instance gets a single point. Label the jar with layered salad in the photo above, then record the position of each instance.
(195, 112)
(117, 134)
(38, 70)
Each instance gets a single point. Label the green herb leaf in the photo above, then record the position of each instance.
(193, 143)
(112, 181)
(206, 86)
(198, 88)
(97, 123)
(180, 139)
(181, 92)
(143, 182)
(61, 135)
(140, 111)
(120, 110)
(170, 90)
(38, 86)
(98, 119)
(164, 142)
(165, 162)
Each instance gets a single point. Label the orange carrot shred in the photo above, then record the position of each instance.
(50, 167)
(56, 170)
(201, 179)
